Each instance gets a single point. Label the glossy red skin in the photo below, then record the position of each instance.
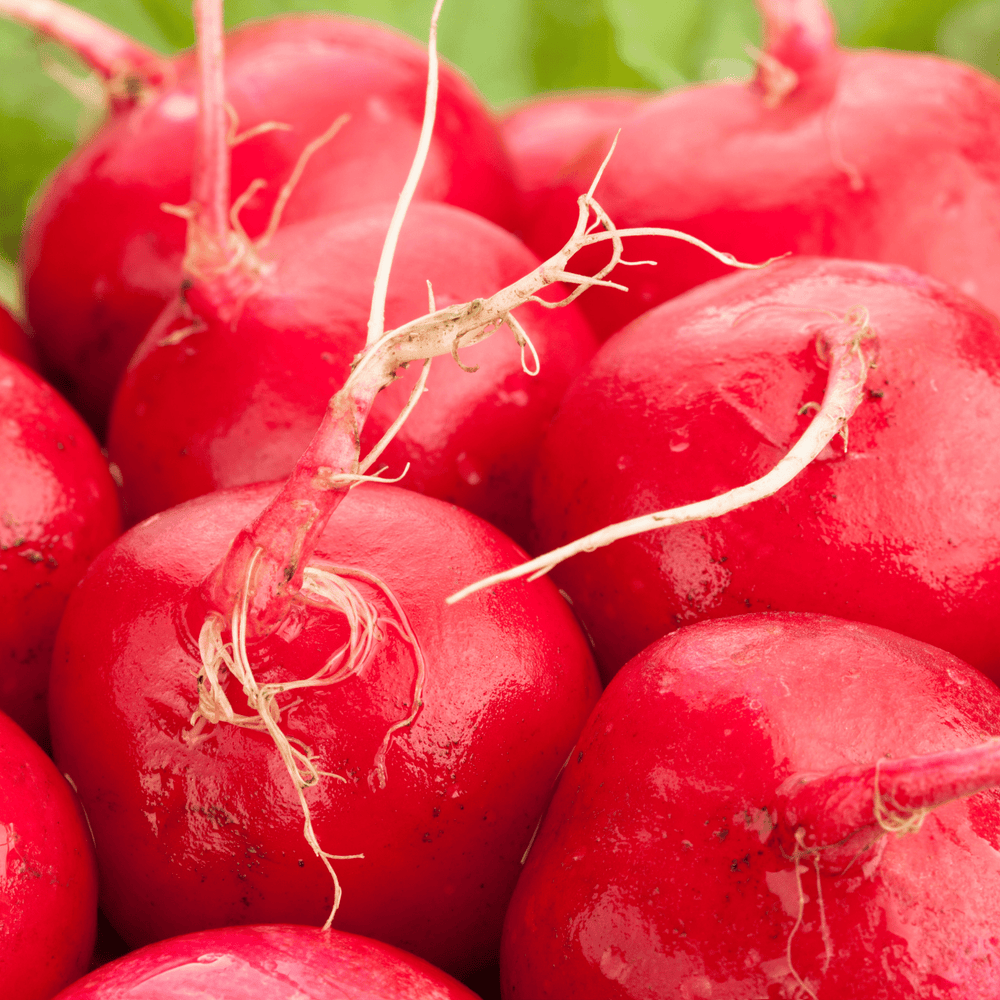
(196, 836)
(921, 133)
(657, 872)
(546, 135)
(280, 962)
(239, 402)
(48, 875)
(702, 395)
(58, 509)
(14, 341)
(101, 258)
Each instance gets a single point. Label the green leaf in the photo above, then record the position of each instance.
(971, 32)
(676, 42)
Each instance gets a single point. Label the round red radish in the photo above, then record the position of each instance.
(14, 341)
(717, 831)
(48, 878)
(101, 257)
(202, 828)
(59, 508)
(871, 155)
(546, 134)
(895, 526)
(281, 962)
(235, 396)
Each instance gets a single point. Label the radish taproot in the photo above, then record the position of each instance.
(871, 155)
(59, 508)
(280, 962)
(882, 528)
(725, 826)
(48, 878)
(100, 258)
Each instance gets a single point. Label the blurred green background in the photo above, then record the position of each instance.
(510, 48)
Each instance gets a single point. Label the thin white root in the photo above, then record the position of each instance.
(376, 318)
(799, 869)
(289, 186)
(843, 394)
(523, 341)
(891, 817)
(323, 587)
(393, 430)
(234, 137)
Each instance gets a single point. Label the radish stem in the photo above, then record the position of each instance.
(893, 795)
(112, 54)
(799, 33)
(210, 183)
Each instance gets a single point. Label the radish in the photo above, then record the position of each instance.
(178, 430)
(60, 508)
(14, 341)
(48, 879)
(546, 134)
(764, 806)
(282, 962)
(464, 716)
(872, 155)
(881, 528)
(101, 258)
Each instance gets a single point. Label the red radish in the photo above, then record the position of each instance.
(282, 962)
(870, 155)
(197, 831)
(101, 258)
(59, 509)
(284, 323)
(546, 134)
(894, 526)
(14, 341)
(48, 879)
(725, 825)
(179, 429)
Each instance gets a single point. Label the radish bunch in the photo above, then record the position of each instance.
(305, 696)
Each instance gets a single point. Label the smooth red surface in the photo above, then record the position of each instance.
(703, 394)
(58, 509)
(657, 872)
(48, 876)
(192, 836)
(545, 135)
(879, 156)
(101, 258)
(279, 962)
(14, 341)
(239, 401)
